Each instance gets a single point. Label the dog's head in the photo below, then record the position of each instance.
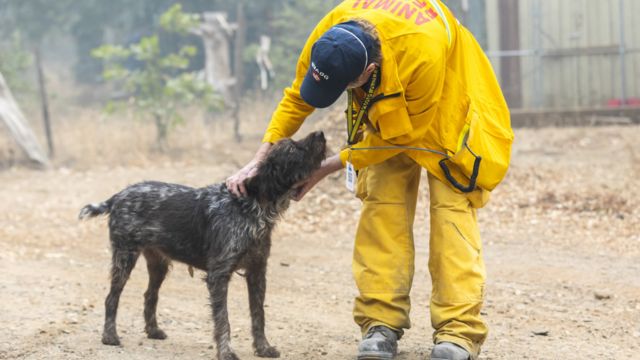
(287, 163)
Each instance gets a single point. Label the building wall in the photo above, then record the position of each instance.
(556, 35)
(471, 14)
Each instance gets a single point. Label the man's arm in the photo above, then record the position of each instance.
(329, 166)
(289, 115)
(292, 110)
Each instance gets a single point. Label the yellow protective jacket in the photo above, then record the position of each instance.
(450, 97)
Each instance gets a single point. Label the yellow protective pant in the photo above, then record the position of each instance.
(383, 260)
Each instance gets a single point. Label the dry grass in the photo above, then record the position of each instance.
(86, 137)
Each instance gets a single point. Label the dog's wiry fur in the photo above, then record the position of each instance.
(207, 228)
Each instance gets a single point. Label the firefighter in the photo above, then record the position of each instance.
(421, 95)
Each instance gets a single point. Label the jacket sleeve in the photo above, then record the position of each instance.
(422, 95)
(292, 110)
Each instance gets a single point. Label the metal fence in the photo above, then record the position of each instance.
(560, 54)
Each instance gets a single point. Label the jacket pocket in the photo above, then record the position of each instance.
(394, 123)
(490, 139)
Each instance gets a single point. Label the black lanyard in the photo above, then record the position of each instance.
(355, 120)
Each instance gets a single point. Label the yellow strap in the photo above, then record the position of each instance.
(349, 113)
(354, 121)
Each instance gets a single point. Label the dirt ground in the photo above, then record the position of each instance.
(561, 242)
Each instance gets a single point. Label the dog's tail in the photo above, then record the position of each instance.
(93, 210)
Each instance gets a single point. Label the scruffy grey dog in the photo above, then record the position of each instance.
(210, 229)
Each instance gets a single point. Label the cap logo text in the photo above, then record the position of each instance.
(317, 74)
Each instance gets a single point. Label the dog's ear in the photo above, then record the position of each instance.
(270, 183)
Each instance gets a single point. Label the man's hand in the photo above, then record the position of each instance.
(328, 166)
(235, 182)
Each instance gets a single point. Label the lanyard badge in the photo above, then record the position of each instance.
(354, 121)
(352, 177)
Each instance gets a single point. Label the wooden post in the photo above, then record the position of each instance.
(238, 68)
(510, 72)
(44, 101)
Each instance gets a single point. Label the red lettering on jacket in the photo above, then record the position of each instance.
(408, 11)
(395, 8)
(425, 18)
(401, 8)
(384, 4)
(367, 4)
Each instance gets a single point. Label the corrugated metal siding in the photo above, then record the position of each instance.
(573, 81)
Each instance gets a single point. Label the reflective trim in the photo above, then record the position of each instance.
(462, 140)
(436, 6)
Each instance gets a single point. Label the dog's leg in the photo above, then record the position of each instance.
(123, 261)
(218, 277)
(257, 285)
(158, 267)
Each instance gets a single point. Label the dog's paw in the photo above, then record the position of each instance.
(268, 352)
(156, 333)
(228, 356)
(110, 339)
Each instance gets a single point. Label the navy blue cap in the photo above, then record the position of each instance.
(338, 58)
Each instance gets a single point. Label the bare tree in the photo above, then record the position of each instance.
(216, 33)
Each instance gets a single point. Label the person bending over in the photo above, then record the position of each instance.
(422, 94)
